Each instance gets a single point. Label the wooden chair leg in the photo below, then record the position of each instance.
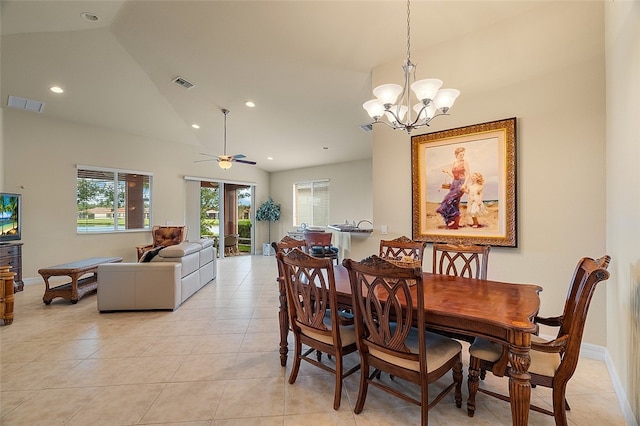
(457, 378)
(559, 407)
(364, 384)
(473, 383)
(337, 394)
(296, 361)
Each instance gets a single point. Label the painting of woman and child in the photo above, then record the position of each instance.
(464, 184)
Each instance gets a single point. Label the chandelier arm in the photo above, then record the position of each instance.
(394, 127)
(390, 111)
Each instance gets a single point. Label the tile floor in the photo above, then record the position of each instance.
(214, 361)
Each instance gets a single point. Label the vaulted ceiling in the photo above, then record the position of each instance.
(306, 64)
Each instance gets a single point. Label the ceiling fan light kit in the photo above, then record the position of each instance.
(225, 161)
(224, 164)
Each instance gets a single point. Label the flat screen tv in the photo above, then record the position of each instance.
(10, 217)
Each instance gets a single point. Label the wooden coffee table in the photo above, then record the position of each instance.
(79, 284)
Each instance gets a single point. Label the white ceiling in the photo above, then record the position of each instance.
(306, 64)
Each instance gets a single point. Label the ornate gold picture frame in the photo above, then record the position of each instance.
(464, 184)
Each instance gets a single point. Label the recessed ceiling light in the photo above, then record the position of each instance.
(56, 89)
(325, 147)
(91, 17)
(269, 158)
(250, 104)
(195, 126)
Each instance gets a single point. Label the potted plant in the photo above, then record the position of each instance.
(269, 211)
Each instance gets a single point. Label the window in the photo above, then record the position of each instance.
(311, 203)
(111, 200)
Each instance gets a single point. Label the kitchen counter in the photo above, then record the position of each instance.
(350, 228)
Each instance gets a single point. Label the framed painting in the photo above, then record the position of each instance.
(464, 185)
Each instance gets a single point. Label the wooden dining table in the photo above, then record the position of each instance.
(497, 311)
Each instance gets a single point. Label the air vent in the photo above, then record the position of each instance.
(367, 128)
(182, 82)
(25, 104)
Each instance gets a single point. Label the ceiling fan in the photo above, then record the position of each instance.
(224, 160)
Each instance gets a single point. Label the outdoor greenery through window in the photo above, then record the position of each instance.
(110, 200)
(311, 203)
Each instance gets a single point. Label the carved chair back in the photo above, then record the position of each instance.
(402, 247)
(469, 261)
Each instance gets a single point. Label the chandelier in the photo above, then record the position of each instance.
(392, 105)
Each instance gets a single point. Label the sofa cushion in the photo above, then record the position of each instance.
(180, 250)
(204, 242)
(206, 255)
(190, 262)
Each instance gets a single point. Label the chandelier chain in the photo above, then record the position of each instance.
(408, 30)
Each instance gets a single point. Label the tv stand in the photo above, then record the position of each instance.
(11, 255)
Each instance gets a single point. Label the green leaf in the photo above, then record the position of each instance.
(268, 211)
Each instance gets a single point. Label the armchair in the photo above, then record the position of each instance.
(552, 362)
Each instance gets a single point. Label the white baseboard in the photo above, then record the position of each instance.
(32, 281)
(592, 351)
(623, 399)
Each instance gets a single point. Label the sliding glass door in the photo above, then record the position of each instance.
(223, 211)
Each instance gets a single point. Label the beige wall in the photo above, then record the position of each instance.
(43, 155)
(550, 76)
(1, 123)
(623, 197)
(350, 192)
(545, 68)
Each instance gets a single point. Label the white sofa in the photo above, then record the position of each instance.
(170, 278)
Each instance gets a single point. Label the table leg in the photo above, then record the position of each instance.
(45, 299)
(74, 289)
(283, 316)
(520, 379)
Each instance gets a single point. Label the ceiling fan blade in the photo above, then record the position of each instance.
(208, 155)
(245, 161)
(239, 156)
(208, 159)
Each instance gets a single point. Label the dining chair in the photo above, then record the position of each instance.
(315, 320)
(460, 260)
(319, 245)
(285, 245)
(552, 362)
(393, 339)
(402, 248)
(468, 261)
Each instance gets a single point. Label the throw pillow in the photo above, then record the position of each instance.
(150, 254)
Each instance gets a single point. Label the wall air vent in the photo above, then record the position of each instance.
(367, 128)
(25, 104)
(182, 82)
